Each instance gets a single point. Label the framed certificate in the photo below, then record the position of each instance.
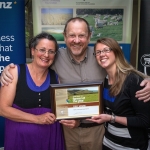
(72, 101)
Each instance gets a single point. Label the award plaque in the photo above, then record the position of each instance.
(72, 101)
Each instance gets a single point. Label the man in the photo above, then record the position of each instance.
(75, 64)
(78, 65)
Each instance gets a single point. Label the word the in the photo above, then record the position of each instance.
(4, 58)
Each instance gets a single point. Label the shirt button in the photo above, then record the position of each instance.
(39, 93)
(39, 100)
(39, 105)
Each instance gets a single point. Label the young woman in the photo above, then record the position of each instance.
(127, 118)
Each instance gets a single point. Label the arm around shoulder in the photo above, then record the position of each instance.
(6, 76)
(144, 94)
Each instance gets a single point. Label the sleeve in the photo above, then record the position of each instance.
(142, 109)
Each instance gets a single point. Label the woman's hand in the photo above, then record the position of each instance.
(100, 118)
(46, 118)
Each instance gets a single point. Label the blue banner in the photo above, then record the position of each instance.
(12, 39)
(12, 32)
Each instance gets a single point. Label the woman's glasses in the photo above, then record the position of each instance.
(105, 50)
(43, 51)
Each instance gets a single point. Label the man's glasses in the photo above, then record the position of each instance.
(43, 51)
(105, 50)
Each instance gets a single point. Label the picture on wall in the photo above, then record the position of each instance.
(103, 22)
(54, 19)
(106, 18)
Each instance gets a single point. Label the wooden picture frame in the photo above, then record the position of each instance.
(73, 101)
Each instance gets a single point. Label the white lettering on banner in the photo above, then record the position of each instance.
(4, 58)
(6, 48)
(5, 5)
(7, 38)
(1, 69)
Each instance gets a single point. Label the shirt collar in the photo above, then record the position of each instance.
(74, 61)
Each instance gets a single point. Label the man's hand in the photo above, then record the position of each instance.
(6, 77)
(144, 94)
(70, 123)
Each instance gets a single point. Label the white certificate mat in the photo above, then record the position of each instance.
(82, 111)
